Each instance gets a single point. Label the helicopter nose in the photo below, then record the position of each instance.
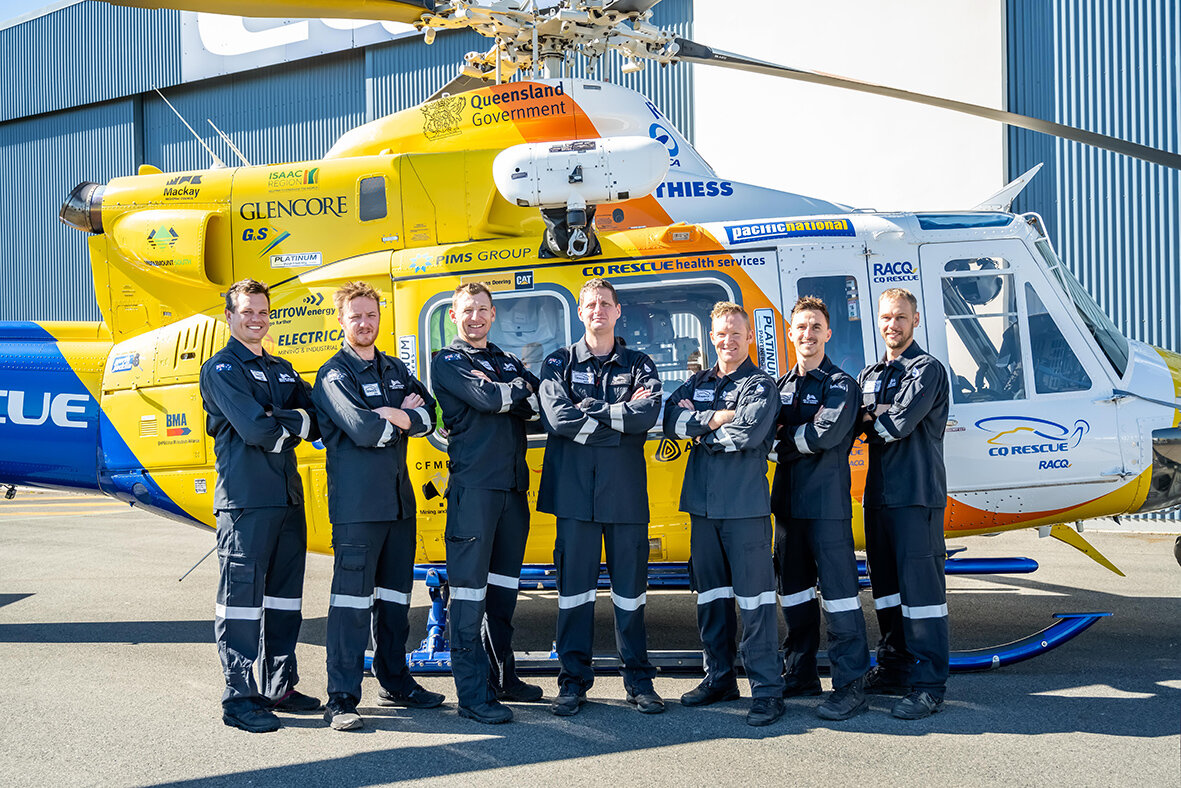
(1164, 490)
(83, 209)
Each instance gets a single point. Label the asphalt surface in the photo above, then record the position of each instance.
(110, 677)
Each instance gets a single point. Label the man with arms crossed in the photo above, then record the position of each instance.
(257, 409)
(904, 402)
(729, 412)
(369, 404)
(599, 398)
(488, 398)
(813, 508)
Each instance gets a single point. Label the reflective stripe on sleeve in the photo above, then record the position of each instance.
(506, 397)
(503, 581)
(282, 603)
(587, 428)
(801, 440)
(279, 445)
(726, 439)
(880, 429)
(426, 420)
(568, 602)
(233, 613)
(705, 597)
(348, 600)
(629, 603)
(841, 605)
(536, 405)
(617, 416)
(773, 455)
(306, 425)
(881, 603)
(390, 595)
(926, 611)
(681, 427)
(386, 434)
(468, 594)
(798, 598)
(752, 602)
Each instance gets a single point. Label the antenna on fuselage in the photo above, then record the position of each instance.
(229, 142)
(216, 161)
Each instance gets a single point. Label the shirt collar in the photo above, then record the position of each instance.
(242, 352)
(820, 372)
(358, 364)
(466, 347)
(743, 370)
(914, 350)
(582, 353)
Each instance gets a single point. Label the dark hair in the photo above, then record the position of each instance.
(247, 287)
(813, 304)
(598, 284)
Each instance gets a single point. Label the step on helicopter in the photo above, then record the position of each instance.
(1055, 418)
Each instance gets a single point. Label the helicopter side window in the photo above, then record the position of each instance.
(670, 322)
(530, 326)
(371, 200)
(983, 334)
(846, 349)
(1056, 368)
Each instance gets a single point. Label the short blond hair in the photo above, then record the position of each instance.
(723, 308)
(472, 289)
(351, 290)
(900, 294)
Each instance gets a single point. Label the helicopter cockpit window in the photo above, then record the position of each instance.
(528, 325)
(846, 349)
(1056, 368)
(372, 198)
(1110, 340)
(670, 322)
(983, 334)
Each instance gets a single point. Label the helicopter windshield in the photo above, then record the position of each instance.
(1110, 340)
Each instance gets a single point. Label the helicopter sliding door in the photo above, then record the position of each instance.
(1026, 391)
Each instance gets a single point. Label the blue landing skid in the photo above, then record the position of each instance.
(433, 656)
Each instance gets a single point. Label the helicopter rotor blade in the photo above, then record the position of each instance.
(692, 52)
(407, 11)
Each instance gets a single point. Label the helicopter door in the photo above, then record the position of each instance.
(1023, 396)
(836, 275)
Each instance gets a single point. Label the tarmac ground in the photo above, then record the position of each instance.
(111, 678)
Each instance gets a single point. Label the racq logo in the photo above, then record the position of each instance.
(1015, 436)
(901, 271)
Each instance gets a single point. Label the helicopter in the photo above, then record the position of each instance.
(531, 181)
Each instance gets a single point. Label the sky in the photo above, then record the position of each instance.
(11, 9)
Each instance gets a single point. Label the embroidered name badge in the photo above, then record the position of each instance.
(258, 375)
(371, 389)
(787, 397)
(703, 395)
(582, 377)
(486, 365)
(621, 380)
(871, 386)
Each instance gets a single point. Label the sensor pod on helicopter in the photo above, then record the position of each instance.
(564, 178)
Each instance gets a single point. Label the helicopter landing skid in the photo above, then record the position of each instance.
(433, 655)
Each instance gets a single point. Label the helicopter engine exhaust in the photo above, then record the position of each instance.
(566, 180)
(83, 209)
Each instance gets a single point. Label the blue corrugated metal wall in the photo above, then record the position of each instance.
(93, 52)
(84, 54)
(45, 264)
(1113, 68)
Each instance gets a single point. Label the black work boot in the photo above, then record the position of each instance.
(706, 694)
(764, 711)
(916, 705)
(341, 714)
(844, 702)
(799, 686)
(881, 681)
